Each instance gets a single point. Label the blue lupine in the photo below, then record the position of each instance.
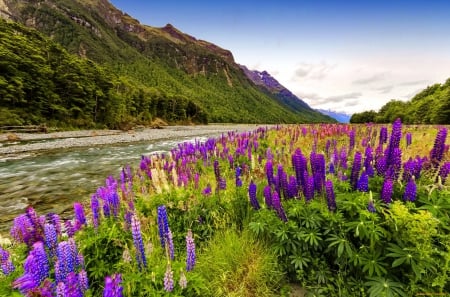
(190, 251)
(410, 191)
(138, 242)
(252, 195)
(51, 238)
(163, 224)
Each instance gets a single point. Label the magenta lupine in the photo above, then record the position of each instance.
(168, 279)
(437, 152)
(356, 167)
(252, 195)
(138, 242)
(410, 190)
(190, 251)
(387, 190)
(331, 198)
(267, 193)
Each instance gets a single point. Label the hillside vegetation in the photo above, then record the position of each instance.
(124, 72)
(430, 106)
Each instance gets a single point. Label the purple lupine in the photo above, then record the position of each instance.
(368, 157)
(356, 167)
(299, 163)
(282, 181)
(437, 152)
(222, 183)
(331, 198)
(318, 170)
(51, 238)
(170, 247)
(351, 136)
(408, 137)
(72, 287)
(113, 287)
(6, 264)
(380, 165)
(276, 203)
(269, 172)
(196, 180)
(168, 279)
(383, 135)
(23, 230)
(163, 224)
(79, 213)
(55, 220)
(267, 193)
(36, 269)
(70, 228)
(395, 164)
(292, 190)
(387, 190)
(410, 190)
(308, 189)
(394, 142)
(343, 158)
(444, 172)
(408, 169)
(190, 251)
(216, 170)
(252, 195)
(363, 182)
(95, 207)
(238, 176)
(371, 206)
(138, 242)
(207, 190)
(60, 290)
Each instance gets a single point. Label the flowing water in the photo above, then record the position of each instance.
(53, 180)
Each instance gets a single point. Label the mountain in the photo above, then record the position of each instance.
(338, 116)
(154, 72)
(271, 86)
(430, 106)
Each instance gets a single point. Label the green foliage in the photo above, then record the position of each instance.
(430, 106)
(234, 264)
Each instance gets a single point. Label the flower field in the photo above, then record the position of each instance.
(340, 210)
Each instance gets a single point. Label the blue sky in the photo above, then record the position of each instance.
(347, 56)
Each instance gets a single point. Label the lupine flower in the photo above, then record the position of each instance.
(267, 193)
(190, 251)
(55, 220)
(170, 244)
(168, 279)
(276, 203)
(408, 139)
(444, 171)
(269, 172)
(238, 176)
(252, 194)
(386, 191)
(79, 213)
(83, 279)
(331, 198)
(73, 286)
(292, 187)
(216, 170)
(163, 224)
(370, 205)
(222, 183)
(363, 182)
(308, 189)
(410, 191)
(437, 152)
(356, 167)
(138, 242)
(95, 207)
(196, 180)
(113, 287)
(351, 140)
(60, 290)
(207, 190)
(383, 135)
(6, 264)
(51, 238)
(183, 280)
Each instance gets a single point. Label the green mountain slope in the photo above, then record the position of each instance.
(161, 63)
(430, 106)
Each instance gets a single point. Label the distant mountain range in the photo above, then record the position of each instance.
(143, 72)
(340, 117)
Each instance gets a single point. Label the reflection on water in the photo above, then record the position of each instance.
(52, 181)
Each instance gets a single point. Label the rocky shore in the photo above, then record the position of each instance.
(17, 143)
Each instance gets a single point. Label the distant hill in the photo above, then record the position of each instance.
(153, 72)
(430, 106)
(340, 117)
(271, 86)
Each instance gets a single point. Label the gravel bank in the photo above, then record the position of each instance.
(58, 140)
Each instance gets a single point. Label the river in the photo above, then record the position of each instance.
(52, 180)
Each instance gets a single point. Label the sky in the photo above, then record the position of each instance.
(344, 56)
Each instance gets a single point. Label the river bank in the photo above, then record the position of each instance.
(16, 143)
